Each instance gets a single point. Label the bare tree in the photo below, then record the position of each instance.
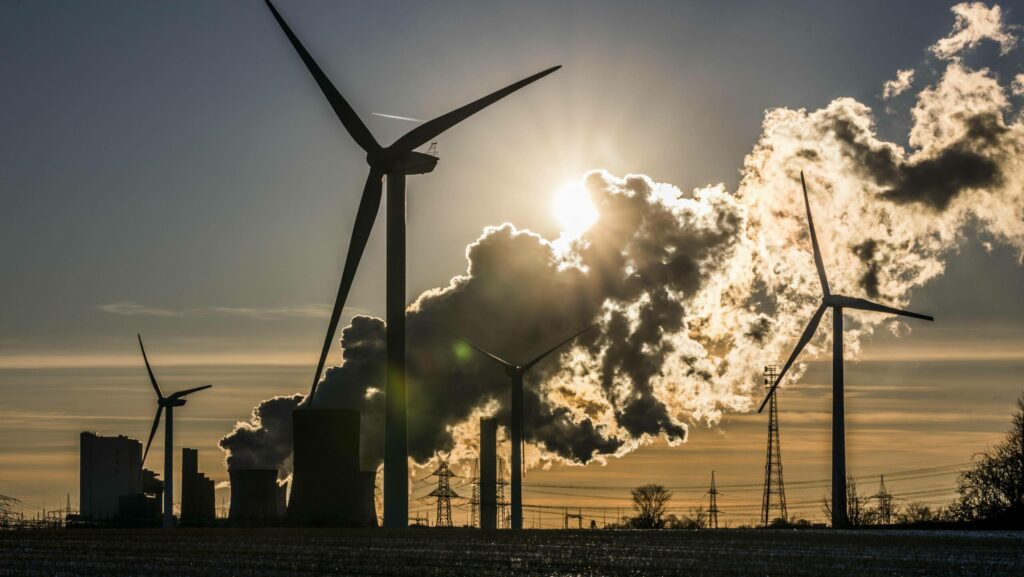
(650, 502)
(994, 487)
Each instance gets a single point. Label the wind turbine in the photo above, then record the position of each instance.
(837, 303)
(516, 372)
(395, 161)
(174, 400)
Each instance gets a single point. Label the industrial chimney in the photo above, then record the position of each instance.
(488, 473)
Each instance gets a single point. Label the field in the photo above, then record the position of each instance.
(420, 552)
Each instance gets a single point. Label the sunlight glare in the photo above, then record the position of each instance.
(574, 209)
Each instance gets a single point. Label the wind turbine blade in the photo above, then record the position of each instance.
(369, 205)
(814, 241)
(396, 117)
(152, 433)
(804, 339)
(539, 357)
(341, 107)
(152, 378)
(429, 130)
(181, 394)
(865, 305)
(493, 357)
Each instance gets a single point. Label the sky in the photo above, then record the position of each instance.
(172, 170)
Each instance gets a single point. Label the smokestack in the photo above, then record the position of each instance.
(254, 496)
(327, 486)
(488, 473)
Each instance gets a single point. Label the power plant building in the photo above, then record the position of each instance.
(110, 467)
(198, 503)
(328, 487)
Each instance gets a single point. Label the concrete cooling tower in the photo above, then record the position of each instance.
(254, 496)
(327, 486)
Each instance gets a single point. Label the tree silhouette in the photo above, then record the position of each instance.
(650, 502)
(994, 487)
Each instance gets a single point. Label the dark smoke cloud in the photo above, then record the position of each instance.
(265, 440)
(696, 291)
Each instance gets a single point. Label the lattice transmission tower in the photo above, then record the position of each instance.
(504, 514)
(713, 504)
(774, 489)
(443, 493)
(885, 505)
(474, 500)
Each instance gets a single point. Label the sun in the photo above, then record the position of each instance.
(574, 209)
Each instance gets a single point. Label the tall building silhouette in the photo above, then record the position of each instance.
(198, 503)
(110, 467)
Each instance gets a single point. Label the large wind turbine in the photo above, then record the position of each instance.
(395, 161)
(162, 402)
(516, 372)
(837, 303)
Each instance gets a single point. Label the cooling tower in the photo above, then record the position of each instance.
(327, 486)
(254, 496)
(488, 473)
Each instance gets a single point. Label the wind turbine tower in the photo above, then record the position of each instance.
(394, 162)
(516, 372)
(174, 400)
(773, 486)
(837, 303)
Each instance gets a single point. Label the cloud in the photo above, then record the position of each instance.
(974, 22)
(893, 88)
(130, 308)
(1017, 86)
(313, 311)
(696, 290)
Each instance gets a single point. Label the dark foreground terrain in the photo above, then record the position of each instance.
(420, 552)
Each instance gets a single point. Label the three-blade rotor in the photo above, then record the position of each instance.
(174, 399)
(529, 364)
(399, 157)
(829, 300)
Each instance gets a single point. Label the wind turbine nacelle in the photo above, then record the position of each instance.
(173, 402)
(408, 163)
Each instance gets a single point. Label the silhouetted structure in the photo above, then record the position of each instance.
(255, 496)
(566, 515)
(504, 518)
(175, 400)
(327, 486)
(443, 493)
(488, 472)
(474, 500)
(109, 468)
(516, 372)
(198, 503)
(774, 489)
(885, 499)
(837, 303)
(142, 509)
(713, 504)
(395, 161)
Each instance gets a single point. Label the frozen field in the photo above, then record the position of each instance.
(284, 552)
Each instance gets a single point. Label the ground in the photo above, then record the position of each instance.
(420, 552)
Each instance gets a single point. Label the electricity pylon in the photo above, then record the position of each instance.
(713, 504)
(443, 493)
(773, 486)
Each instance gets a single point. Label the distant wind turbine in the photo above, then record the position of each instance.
(395, 161)
(162, 402)
(837, 303)
(516, 372)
